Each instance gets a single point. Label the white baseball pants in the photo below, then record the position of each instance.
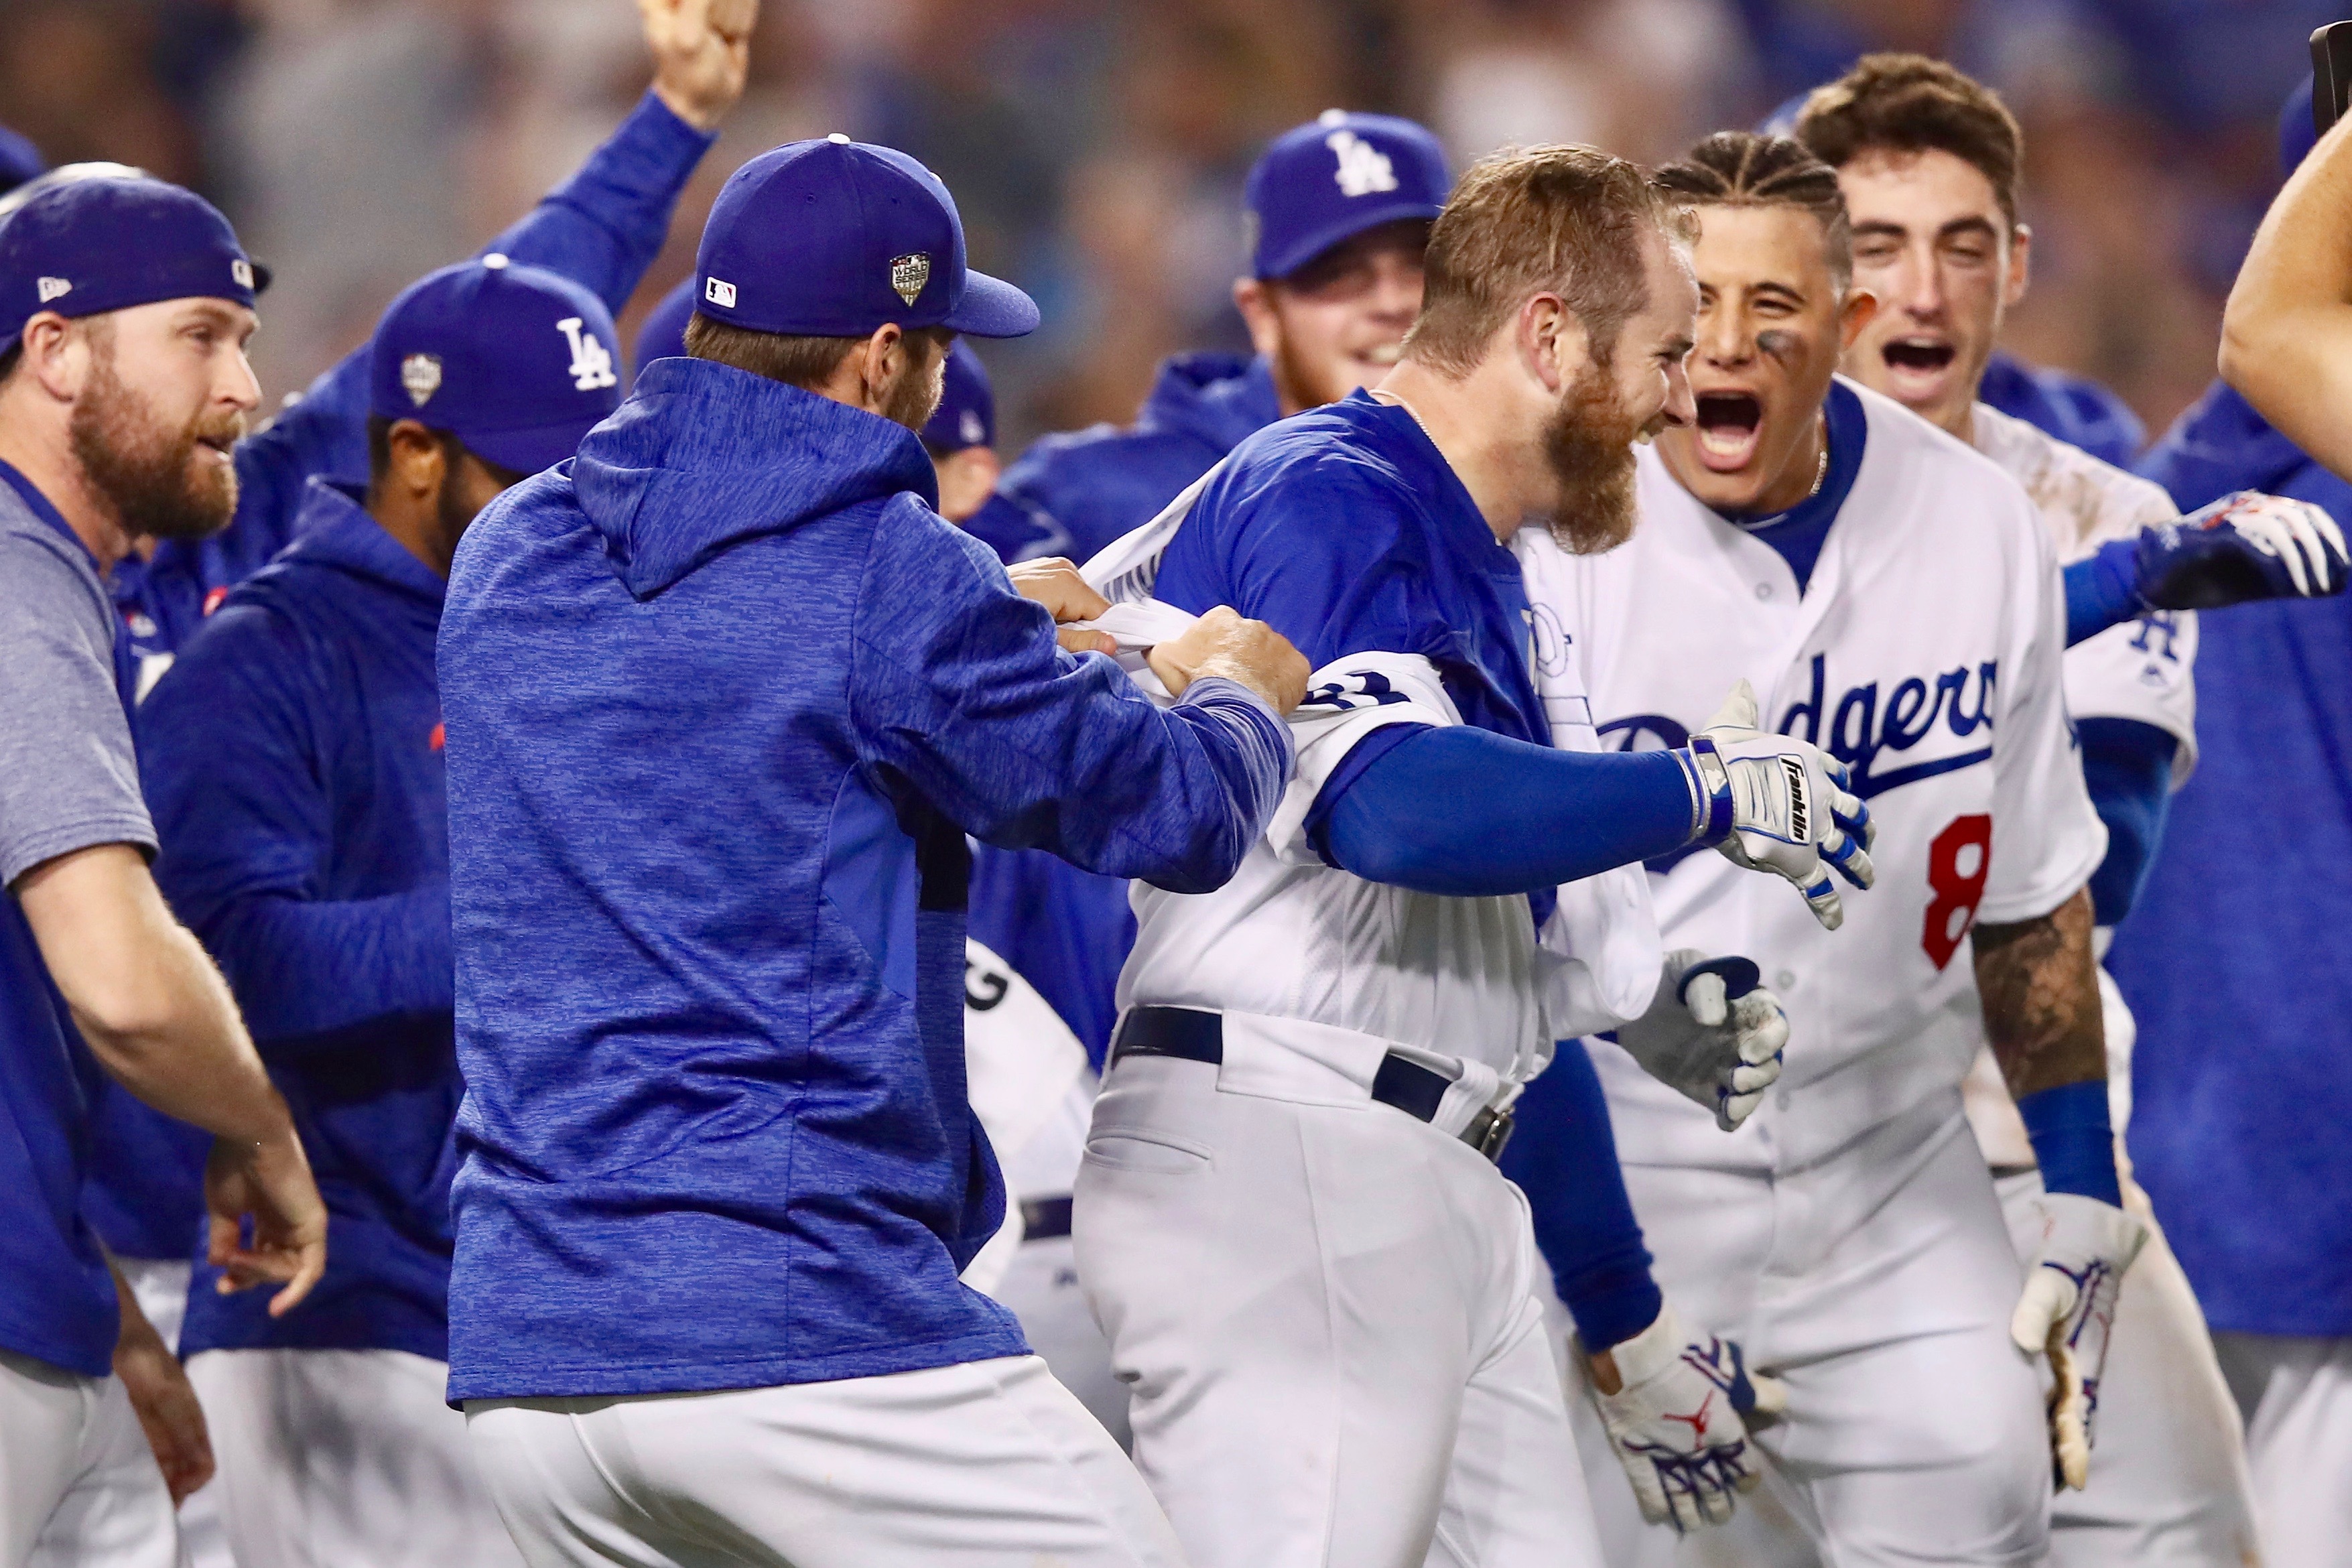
(330, 1459)
(1878, 1284)
(989, 1464)
(2168, 1484)
(1327, 1316)
(78, 1486)
(160, 1286)
(2296, 1394)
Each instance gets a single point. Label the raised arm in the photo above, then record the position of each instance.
(2286, 336)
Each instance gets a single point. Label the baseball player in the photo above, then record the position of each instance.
(1337, 210)
(2236, 979)
(1928, 162)
(719, 1168)
(1325, 1299)
(1890, 593)
(600, 228)
(293, 759)
(124, 308)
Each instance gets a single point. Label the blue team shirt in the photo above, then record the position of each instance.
(2232, 958)
(602, 228)
(723, 698)
(292, 758)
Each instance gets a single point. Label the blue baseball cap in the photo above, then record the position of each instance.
(1333, 178)
(19, 160)
(664, 334)
(84, 247)
(834, 238)
(966, 415)
(514, 361)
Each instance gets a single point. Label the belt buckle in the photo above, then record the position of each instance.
(1489, 1131)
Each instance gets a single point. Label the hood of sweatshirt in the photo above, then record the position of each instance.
(334, 530)
(1220, 398)
(703, 456)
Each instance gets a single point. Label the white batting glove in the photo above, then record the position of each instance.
(1773, 803)
(2244, 547)
(2067, 1310)
(1711, 1035)
(1675, 1422)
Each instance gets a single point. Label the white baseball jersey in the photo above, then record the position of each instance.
(2140, 669)
(1926, 653)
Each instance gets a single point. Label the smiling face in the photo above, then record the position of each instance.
(1931, 241)
(1771, 322)
(1338, 323)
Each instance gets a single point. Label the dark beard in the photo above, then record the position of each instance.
(1589, 446)
(145, 475)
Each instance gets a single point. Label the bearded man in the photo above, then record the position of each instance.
(124, 309)
(1327, 1300)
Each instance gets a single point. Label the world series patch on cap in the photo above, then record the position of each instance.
(82, 246)
(837, 238)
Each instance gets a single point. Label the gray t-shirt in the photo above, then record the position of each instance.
(68, 777)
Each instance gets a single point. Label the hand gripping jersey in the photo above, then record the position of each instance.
(1338, 969)
(1926, 654)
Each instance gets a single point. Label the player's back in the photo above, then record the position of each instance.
(1923, 653)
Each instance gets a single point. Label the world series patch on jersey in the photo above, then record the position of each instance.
(1926, 654)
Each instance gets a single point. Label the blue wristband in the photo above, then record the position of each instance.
(2073, 1140)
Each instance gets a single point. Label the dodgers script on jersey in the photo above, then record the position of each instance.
(1926, 654)
(2138, 670)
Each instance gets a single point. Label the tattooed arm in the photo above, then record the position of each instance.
(2041, 994)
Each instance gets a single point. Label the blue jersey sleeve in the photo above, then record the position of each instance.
(2127, 767)
(964, 697)
(231, 773)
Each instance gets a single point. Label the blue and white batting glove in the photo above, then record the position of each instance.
(1678, 1422)
(2243, 547)
(2067, 1310)
(1773, 803)
(1711, 1035)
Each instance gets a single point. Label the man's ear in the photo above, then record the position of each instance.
(55, 356)
(1552, 342)
(417, 460)
(2021, 265)
(1255, 300)
(1859, 309)
(885, 353)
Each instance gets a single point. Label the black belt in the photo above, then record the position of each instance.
(1195, 1037)
(1042, 1219)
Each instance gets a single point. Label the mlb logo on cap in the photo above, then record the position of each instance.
(1329, 180)
(836, 238)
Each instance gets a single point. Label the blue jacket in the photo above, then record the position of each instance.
(2079, 412)
(602, 228)
(292, 758)
(724, 695)
(1071, 495)
(1067, 931)
(2233, 958)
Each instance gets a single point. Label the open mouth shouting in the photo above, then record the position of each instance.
(1917, 364)
(1729, 426)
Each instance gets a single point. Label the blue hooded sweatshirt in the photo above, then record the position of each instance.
(724, 696)
(1064, 930)
(292, 760)
(602, 228)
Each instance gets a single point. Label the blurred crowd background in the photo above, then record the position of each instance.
(1097, 147)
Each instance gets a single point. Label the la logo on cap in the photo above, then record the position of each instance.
(1363, 168)
(421, 374)
(908, 274)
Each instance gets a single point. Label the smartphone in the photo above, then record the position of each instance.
(2331, 74)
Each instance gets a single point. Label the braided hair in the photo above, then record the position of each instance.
(1748, 169)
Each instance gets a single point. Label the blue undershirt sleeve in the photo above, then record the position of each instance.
(2102, 590)
(1563, 1155)
(2128, 766)
(1465, 813)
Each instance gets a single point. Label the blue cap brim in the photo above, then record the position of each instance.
(1308, 246)
(992, 308)
(533, 449)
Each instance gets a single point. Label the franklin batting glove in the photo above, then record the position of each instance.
(1711, 1035)
(2068, 1309)
(1772, 802)
(2242, 548)
(1675, 1422)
